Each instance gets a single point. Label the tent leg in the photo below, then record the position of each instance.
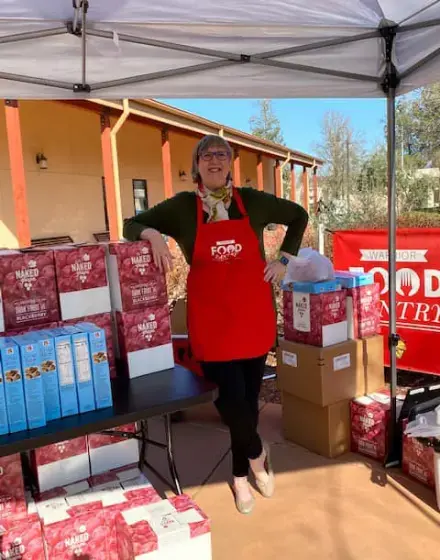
(393, 458)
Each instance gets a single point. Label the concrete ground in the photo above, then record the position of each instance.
(344, 509)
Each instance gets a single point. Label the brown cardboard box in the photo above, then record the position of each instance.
(178, 318)
(374, 373)
(322, 376)
(323, 430)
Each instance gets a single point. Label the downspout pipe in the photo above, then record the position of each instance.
(114, 147)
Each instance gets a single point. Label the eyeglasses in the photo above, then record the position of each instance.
(208, 156)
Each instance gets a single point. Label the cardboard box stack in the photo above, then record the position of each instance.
(112, 452)
(320, 370)
(140, 303)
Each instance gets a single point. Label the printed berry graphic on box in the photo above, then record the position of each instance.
(135, 280)
(21, 540)
(363, 311)
(145, 340)
(111, 452)
(12, 497)
(82, 280)
(418, 460)
(29, 291)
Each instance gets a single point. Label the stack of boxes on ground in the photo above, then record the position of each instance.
(330, 354)
(116, 515)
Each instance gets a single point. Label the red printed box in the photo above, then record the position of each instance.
(103, 321)
(315, 319)
(12, 496)
(144, 339)
(83, 536)
(418, 460)
(363, 311)
(135, 281)
(82, 280)
(21, 540)
(29, 292)
(112, 452)
(369, 424)
(61, 463)
(176, 527)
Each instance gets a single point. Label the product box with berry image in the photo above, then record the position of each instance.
(21, 540)
(82, 280)
(66, 370)
(49, 374)
(61, 463)
(83, 368)
(29, 292)
(135, 281)
(12, 495)
(370, 416)
(418, 459)
(99, 364)
(103, 321)
(144, 339)
(32, 380)
(363, 311)
(176, 527)
(14, 390)
(109, 452)
(315, 313)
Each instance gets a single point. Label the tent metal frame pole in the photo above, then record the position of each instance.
(35, 81)
(18, 37)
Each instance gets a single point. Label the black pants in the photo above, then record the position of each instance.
(239, 384)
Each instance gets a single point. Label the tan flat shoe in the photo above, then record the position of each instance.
(243, 506)
(267, 488)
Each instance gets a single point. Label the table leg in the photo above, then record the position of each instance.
(170, 454)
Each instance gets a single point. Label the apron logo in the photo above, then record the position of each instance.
(225, 250)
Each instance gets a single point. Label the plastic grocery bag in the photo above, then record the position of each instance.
(309, 266)
(425, 425)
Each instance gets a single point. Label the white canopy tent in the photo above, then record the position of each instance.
(230, 48)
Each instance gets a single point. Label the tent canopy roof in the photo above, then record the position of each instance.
(233, 48)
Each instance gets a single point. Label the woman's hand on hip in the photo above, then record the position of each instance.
(274, 272)
(161, 252)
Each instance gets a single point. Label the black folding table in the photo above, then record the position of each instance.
(136, 400)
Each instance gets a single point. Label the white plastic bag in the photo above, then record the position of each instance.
(309, 266)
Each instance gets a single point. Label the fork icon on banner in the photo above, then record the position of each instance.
(408, 282)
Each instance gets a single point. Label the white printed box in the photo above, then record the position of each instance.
(170, 529)
(82, 280)
(112, 452)
(61, 463)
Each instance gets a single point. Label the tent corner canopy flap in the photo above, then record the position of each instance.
(79, 49)
(293, 48)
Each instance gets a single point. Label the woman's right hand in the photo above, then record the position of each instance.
(161, 253)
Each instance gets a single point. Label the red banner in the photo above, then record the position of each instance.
(418, 287)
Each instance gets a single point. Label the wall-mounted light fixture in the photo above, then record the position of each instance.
(41, 160)
(182, 175)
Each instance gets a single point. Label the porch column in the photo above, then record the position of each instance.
(305, 180)
(315, 188)
(166, 164)
(18, 176)
(237, 169)
(260, 173)
(278, 181)
(292, 182)
(112, 187)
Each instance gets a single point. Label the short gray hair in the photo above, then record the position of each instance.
(206, 142)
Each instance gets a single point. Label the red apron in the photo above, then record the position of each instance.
(231, 314)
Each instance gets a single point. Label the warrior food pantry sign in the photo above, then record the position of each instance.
(417, 282)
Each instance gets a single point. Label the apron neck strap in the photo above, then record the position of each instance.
(236, 196)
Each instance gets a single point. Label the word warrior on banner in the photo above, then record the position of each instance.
(417, 284)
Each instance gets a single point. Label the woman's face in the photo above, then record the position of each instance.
(214, 167)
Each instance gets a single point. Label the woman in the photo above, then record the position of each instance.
(231, 312)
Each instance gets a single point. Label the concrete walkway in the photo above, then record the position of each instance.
(346, 509)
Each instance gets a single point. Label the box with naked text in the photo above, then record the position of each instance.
(14, 390)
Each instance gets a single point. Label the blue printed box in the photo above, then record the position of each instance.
(33, 382)
(354, 279)
(4, 425)
(49, 374)
(100, 365)
(83, 369)
(66, 371)
(313, 287)
(14, 391)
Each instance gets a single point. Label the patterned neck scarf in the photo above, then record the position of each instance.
(217, 202)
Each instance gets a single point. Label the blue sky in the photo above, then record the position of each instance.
(300, 118)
